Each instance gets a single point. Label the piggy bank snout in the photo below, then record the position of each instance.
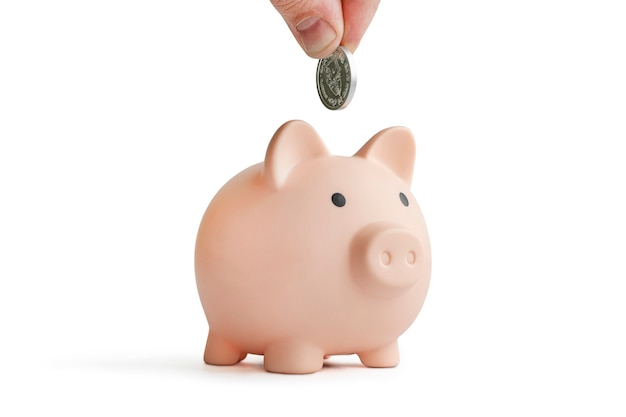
(386, 258)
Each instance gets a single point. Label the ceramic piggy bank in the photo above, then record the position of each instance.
(308, 255)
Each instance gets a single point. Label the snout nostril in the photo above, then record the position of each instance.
(385, 258)
(410, 257)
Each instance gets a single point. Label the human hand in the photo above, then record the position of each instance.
(320, 26)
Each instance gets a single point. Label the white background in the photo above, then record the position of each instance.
(119, 120)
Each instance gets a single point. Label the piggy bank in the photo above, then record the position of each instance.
(308, 255)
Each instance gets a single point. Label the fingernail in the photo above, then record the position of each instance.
(316, 34)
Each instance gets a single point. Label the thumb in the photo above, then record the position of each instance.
(317, 25)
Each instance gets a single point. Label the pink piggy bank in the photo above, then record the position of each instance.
(308, 255)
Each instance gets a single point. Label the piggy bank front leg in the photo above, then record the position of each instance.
(386, 356)
(293, 357)
(219, 351)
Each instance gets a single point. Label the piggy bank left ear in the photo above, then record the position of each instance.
(293, 143)
(394, 148)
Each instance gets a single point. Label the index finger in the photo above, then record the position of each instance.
(357, 16)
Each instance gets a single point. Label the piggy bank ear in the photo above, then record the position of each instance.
(293, 143)
(394, 148)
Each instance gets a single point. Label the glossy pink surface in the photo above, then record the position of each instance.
(307, 255)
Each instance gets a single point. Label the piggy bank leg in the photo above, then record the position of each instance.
(384, 357)
(293, 357)
(220, 352)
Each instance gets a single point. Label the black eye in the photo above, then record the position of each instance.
(404, 200)
(338, 199)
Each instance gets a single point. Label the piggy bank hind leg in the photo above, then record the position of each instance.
(219, 351)
(293, 357)
(386, 356)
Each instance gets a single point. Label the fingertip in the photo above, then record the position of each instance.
(317, 37)
(317, 25)
(350, 46)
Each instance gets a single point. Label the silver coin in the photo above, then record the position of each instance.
(336, 79)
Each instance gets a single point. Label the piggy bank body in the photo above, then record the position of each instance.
(308, 255)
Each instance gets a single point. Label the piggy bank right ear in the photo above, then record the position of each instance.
(293, 143)
(394, 148)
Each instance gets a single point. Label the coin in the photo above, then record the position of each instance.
(336, 79)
